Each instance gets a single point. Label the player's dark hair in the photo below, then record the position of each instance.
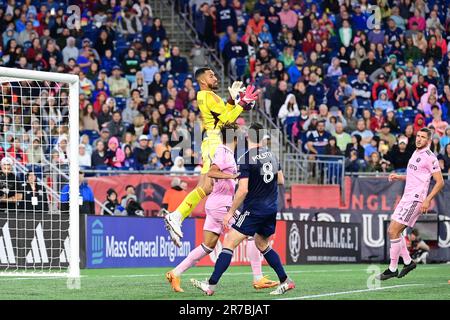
(415, 232)
(228, 131)
(256, 132)
(427, 131)
(130, 186)
(200, 72)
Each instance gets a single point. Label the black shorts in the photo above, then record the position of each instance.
(249, 223)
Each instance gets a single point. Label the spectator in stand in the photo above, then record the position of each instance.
(435, 146)
(342, 137)
(225, 16)
(163, 145)
(166, 160)
(255, 24)
(114, 154)
(204, 25)
(399, 156)
(99, 155)
(318, 139)
(332, 149)
(365, 134)
(70, 51)
(84, 158)
(119, 86)
(288, 17)
(438, 124)
(115, 126)
(233, 50)
(386, 135)
(379, 86)
(289, 108)
(142, 152)
(353, 163)
(178, 64)
(372, 147)
(383, 101)
(355, 145)
(178, 167)
(344, 94)
(89, 120)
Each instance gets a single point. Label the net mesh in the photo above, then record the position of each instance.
(34, 145)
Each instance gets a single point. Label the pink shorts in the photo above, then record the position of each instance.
(407, 212)
(214, 220)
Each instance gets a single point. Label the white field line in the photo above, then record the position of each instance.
(351, 292)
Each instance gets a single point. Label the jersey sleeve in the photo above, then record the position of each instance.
(231, 115)
(433, 164)
(244, 170)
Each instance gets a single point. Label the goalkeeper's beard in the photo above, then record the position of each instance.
(213, 87)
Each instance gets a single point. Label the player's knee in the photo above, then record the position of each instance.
(261, 244)
(393, 232)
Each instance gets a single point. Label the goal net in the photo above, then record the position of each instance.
(39, 192)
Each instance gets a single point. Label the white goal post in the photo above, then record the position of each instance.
(39, 236)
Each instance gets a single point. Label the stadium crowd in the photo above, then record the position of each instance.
(339, 80)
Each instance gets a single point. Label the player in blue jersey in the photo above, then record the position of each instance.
(260, 174)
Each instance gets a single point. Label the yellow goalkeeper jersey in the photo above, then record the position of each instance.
(214, 112)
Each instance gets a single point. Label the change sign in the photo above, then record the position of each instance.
(322, 242)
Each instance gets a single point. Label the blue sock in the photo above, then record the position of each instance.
(222, 264)
(274, 261)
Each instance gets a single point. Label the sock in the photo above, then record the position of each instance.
(255, 259)
(274, 261)
(193, 257)
(190, 202)
(222, 264)
(404, 253)
(396, 246)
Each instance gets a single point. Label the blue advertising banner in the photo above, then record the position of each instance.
(124, 242)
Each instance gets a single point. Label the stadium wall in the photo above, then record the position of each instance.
(370, 202)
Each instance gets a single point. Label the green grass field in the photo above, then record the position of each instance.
(344, 281)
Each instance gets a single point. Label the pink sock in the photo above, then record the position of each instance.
(255, 259)
(193, 257)
(396, 247)
(404, 253)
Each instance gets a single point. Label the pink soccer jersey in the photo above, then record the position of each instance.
(223, 190)
(421, 166)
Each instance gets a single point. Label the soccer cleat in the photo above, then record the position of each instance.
(407, 268)
(264, 283)
(173, 236)
(174, 281)
(284, 287)
(203, 286)
(387, 274)
(172, 222)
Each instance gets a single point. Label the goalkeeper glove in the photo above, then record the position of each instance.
(235, 89)
(248, 98)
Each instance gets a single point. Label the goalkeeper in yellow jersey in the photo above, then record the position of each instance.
(214, 113)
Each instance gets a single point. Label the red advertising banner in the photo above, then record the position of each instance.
(150, 189)
(240, 253)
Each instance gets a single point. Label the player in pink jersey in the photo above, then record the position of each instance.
(422, 165)
(224, 172)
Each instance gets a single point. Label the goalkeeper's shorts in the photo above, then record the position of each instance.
(209, 147)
